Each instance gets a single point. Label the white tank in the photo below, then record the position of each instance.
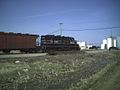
(102, 46)
(104, 41)
(115, 43)
(109, 43)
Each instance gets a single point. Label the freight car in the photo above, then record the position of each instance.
(17, 41)
(33, 43)
(58, 43)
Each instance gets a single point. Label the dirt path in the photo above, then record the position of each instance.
(22, 55)
(95, 51)
(110, 81)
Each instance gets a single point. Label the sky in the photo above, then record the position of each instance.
(43, 17)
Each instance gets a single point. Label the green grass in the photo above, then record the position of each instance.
(57, 72)
(12, 75)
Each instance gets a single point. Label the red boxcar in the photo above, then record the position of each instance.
(17, 41)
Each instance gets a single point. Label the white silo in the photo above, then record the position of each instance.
(102, 46)
(115, 43)
(109, 42)
(104, 41)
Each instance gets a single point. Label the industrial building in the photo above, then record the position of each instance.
(84, 45)
(104, 44)
(111, 42)
(118, 42)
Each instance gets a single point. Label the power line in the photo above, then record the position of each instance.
(55, 31)
(94, 29)
(91, 29)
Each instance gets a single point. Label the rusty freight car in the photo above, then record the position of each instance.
(17, 41)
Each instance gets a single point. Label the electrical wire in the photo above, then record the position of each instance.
(91, 29)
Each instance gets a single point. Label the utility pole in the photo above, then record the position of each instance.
(60, 24)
